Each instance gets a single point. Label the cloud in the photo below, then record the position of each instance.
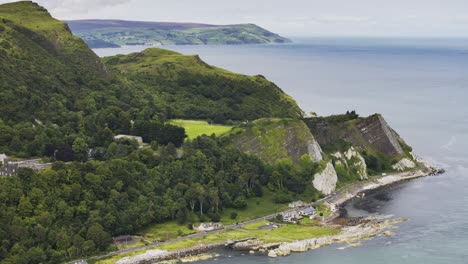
(341, 19)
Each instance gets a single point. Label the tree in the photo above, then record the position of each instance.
(201, 195)
(98, 235)
(80, 149)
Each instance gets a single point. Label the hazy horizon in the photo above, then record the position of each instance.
(295, 18)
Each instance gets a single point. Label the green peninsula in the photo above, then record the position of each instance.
(115, 33)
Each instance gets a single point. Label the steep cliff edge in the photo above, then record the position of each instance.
(372, 134)
(274, 139)
(345, 148)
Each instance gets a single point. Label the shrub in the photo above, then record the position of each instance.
(282, 197)
(240, 203)
(233, 215)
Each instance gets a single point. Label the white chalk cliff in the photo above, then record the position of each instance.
(326, 180)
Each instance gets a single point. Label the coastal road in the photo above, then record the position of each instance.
(335, 198)
(196, 235)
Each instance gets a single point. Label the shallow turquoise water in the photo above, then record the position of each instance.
(421, 87)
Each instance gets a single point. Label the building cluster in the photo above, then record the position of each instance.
(302, 210)
(10, 168)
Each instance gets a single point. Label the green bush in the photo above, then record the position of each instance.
(282, 197)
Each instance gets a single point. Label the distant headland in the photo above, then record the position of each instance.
(115, 33)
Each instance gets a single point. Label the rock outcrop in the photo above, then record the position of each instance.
(378, 133)
(155, 256)
(247, 245)
(372, 226)
(352, 160)
(371, 133)
(404, 164)
(314, 149)
(326, 180)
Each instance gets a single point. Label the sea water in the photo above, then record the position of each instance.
(421, 88)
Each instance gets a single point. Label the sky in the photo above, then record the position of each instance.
(408, 18)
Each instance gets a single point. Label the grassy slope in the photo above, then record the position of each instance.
(35, 18)
(256, 207)
(39, 60)
(273, 139)
(195, 128)
(152, 35)
(195, 90)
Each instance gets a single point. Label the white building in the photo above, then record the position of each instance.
(209, 226)
(137, 138)
(291, 217)
(296, 204)
(308, 212)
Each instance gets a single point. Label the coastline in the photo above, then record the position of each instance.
(349, 233)
(347, 193)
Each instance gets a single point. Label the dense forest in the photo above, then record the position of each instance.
(62, 104)
(73, 210)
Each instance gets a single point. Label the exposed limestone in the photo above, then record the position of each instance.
(150, 254)
(326, 180)
(315, 152)
(352, 161)
(247, 245)
(272, 253)
(404, 164)
(153, 256)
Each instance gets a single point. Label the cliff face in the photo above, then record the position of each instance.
(351, 147)
(376, 132)
(275, 139)
(371, 133)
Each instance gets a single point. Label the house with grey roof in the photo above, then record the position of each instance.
(308, 212)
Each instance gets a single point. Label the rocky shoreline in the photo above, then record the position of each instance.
(351, 232)
(339, 198)
(367, 228)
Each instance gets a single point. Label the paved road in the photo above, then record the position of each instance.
(229, 227)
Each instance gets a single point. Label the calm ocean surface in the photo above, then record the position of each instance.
(421, 88)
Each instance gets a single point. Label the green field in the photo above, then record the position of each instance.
(195, 128)
(165, 231)
(256, 207)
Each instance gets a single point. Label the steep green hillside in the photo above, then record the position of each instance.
(40, 63)
(193, 89)
(107, 33)
(273, 139)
